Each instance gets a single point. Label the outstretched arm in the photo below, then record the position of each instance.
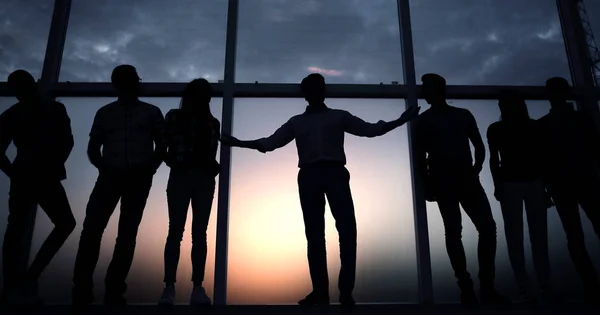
(6, 138)
(358, 127)
(281, 137)
(478, 144)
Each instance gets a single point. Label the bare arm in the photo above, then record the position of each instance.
(6, 137)
(494, 156)
(478, 144)
(158, 134)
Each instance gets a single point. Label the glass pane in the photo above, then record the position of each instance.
(564, 277)
(281, 41)
(494, 42)
(5, 103)
(23, 43)
(592, 8)
(145, 279)
(168, 41)
(267, 245)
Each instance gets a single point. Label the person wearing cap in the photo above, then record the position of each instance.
(444, 161)
(126, 147)
(515, 154)
(572, 155)
(40, 129)
(319, 134)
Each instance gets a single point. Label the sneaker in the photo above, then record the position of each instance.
(168, 296)
(115, 301)
(346, 301)
(491, 297)
(199, 297)
(468, 299)
(314, 299)
(525, 297)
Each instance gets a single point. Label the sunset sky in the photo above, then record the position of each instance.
(511, 42)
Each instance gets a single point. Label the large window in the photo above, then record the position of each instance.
(280, 41)
(444, 282)
(145, 279)
(168, 41)
(267, 251)
(496, 42)
(23, 43)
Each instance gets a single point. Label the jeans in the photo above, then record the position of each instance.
(466, 191)
(533, 194)
(132, 189)
(199, 188)
(333, 181)
(568, 193)
(24, 196)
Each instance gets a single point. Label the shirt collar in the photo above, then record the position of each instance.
(316, 108)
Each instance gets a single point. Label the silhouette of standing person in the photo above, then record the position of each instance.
(452, 179)
(572, 153)
(191, 138)
(129, 132)
(515, 155)
(319, 134)
(41, 132)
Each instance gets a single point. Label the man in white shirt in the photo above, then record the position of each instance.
(319, 134)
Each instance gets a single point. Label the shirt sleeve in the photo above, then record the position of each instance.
(358, 127)
(6, 134)
(281, 137)
(158, 128)
(98, 127)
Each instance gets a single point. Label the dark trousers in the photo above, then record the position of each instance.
(333, 181)
(199, 188)
(533, 194)
(466, 191)
(26, 195)
(568, 194)
(132, 189)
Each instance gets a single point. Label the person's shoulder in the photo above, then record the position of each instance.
(148, 106)
(9, 113)
(59, 106)
(494, 128)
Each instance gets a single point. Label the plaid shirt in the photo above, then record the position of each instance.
(191, 142)
(128, 133)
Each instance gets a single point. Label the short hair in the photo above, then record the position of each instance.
(433, 78)
(18, 77)
(312, 80)
(123, 71)
(558, 82)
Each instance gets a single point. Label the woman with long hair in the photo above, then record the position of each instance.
(515, 163)
(191, 138)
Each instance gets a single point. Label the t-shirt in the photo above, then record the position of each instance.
(519, 149)
(443, 133)
(42, 136)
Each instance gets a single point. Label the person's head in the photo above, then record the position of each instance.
(196, 96)
(559, 91)
(434, 88)
(313, 88)
(126, 81)
(512, 107)
(23, 85)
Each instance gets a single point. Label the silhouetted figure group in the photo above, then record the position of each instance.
(532, 161)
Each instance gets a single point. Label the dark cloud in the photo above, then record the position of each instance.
(351, 41)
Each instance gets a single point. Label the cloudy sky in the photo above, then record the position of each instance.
(479, 42)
